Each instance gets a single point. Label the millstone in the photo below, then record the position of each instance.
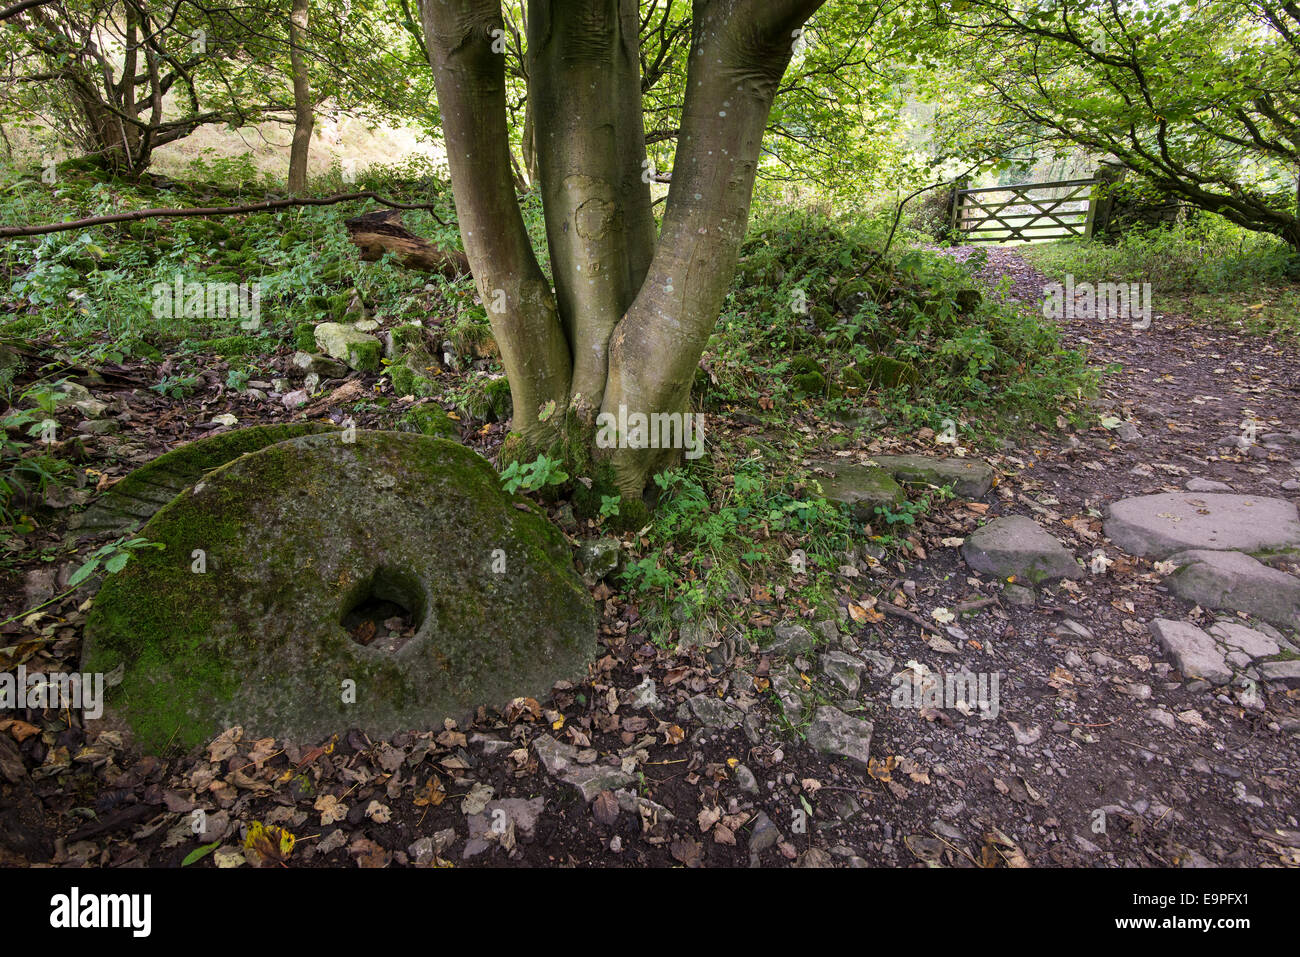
(296, 538)
(138, 496)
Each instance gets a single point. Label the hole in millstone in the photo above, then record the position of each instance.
(384, 611)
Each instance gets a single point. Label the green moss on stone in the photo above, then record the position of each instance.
(304, 336)
(432, 421)
(291, 535)
(810, 383)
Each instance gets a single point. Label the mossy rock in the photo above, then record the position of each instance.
(810, 383)
(407, 337)
(968, 300)
(304, 336)
(822, 317)
(360, 350)
(889, 373)
(409, 373)
(234, 346)
(11, 364)
(299, 537)
(433, 421)
(969, 478)
(861, 487)
(851, 378)
(805, 365)
(488, 401)
(142, 493)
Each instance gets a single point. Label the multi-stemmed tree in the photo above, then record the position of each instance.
(632, 308)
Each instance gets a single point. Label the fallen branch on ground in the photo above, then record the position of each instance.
(7, 232)
(382, 232)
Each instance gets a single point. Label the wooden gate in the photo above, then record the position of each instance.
(1028, 211)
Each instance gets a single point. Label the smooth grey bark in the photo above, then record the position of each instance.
(631, 313)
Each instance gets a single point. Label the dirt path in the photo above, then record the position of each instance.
(1182, 776)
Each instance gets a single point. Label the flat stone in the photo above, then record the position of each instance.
(1207, 485)
(1285, 673)
(98, 426)
(1237, 582)
(599, 557)
(880, 664)
(138, 496)
(561, 762)
(325, 366)
(1252, 642)
(763, 834)
(642, 696)
(861, 487)
(712, 712)
(786, 687)
(970, 478)
(360, 350)
(91, 408)
(1022, 595)
(295, 538)
(1160, 525)
(69, 393)
(790, 639)
(842, 669)
(836, 733)
(523, 814)
(1193, 651)
(745, 779)
(1016, 546)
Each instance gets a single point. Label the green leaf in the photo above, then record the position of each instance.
(84, 572)
(199, 853)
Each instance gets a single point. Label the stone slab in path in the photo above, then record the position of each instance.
(295, 539)
(1157, 526)
(1236, 581)
(1015, 546)
(1195, 653)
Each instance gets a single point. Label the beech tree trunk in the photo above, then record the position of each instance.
(303, 117)
(631, 311)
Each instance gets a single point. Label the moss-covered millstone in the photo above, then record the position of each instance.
(295, 538)
(138, 496)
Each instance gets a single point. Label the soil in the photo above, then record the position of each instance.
(1098, 754)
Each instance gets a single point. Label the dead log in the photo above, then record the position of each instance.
(382, 232)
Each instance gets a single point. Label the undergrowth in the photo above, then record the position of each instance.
(1208, 268)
